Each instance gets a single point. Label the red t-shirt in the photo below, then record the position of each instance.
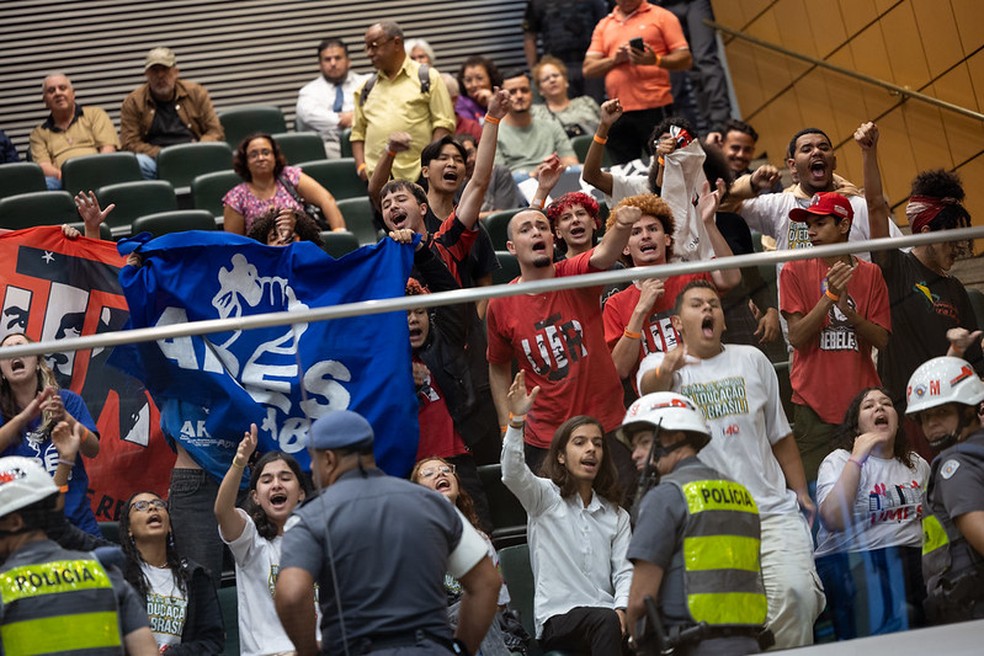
(827, 373)
(438, 436)
(559, 341)
(658, 334)
(452, 243)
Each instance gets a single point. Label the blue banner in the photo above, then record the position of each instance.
(280, 378)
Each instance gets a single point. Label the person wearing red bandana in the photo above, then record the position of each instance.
(927, 302)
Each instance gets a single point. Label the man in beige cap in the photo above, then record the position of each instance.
(165, 111)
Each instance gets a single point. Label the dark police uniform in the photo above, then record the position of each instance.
(952, 568)
(710, 558)
(384, 544)
(56, 601)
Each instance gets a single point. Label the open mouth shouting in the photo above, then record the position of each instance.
(278, 501)
(818, 170)
(707, 327)
(398, 219)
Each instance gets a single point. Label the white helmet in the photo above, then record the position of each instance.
(669, 411)
(943, 380)
(22, 482)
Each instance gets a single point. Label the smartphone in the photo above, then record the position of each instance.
(637, 44)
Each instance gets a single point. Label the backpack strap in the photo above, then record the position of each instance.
(425, 83)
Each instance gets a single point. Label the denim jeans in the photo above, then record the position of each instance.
(196, 533)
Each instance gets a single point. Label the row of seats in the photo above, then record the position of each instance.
(240, 122)
(179, 164)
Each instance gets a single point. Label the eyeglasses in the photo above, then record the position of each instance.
(254, 154)
(145, 504)
(375, 45)
(426, 474)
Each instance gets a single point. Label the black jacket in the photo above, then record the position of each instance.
(204, 630)
(444, 354)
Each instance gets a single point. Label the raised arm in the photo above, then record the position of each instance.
(92, 215)
(615, 240)
(516, 475)
(231, 523)
(626, 351)
(611, 110)
(866, 137)
(398, 142)
(724, 279)
(474, 194)
(11, 430)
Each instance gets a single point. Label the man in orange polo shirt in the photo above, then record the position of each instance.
(637, 75)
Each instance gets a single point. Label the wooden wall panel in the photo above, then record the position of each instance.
(937, 28)
(932, 46)
(968, 15)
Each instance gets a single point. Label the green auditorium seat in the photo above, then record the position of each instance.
(508, 515)
(37, 209)
(509, 268)
(345, 142)
(20, 178)
(90, 172)
(496, 225)
(338, 244)
(300, 146)
(163, 223)
(338, 176)
(136, 199)
(357, 213)
(182, 163)
(208, 189)
(240, 122)
(518, 576)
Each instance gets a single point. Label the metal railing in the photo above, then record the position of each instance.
(903, 92)
(134, 336)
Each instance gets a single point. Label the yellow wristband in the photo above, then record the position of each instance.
(491, 119)
(236, 463)
(661, 161)
(832, 296)
(600, 140)
(361, 167)
(659, 60)
(631, 335)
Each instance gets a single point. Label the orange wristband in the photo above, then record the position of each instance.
(832, 296)
(631, 335)
(361, 167)
(600, 140)
(491, 119)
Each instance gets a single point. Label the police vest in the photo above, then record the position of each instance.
(721, 558)
(943, 544)
(59, 606)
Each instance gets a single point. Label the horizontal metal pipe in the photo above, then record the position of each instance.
(472, 294)
(905, 92)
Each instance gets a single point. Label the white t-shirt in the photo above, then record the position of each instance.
(739, 394)
(888, 508)
(257, 566)
(167, 606)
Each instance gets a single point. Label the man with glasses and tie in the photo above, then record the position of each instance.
(399, 97)
(326, 104)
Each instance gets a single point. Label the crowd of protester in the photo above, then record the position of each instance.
(668, 374)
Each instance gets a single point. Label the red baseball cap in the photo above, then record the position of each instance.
(826, 203)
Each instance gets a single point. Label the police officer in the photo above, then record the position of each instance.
(55, 601)
(696, 543)
(944, 395)
(378, 548)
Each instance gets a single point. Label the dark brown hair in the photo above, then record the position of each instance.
(304, 227)
(263, 526)
(605, 484)
(848, 431)
(240, 158)
(132, 571)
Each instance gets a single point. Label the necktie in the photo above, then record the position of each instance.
(339, 99)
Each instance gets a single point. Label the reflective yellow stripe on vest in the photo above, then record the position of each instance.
(736, 608)
(56, 633)
(721, 552)
(718, 495)
(934, 535)
(53, 635)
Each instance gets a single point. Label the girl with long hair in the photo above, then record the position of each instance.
(254, 535)
(578, 534)
(870, 496)
(31, 405)
(182, 605)
(441, 476)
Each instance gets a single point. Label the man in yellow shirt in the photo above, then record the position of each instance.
(397, 98)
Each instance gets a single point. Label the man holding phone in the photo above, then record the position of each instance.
(633, 48)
